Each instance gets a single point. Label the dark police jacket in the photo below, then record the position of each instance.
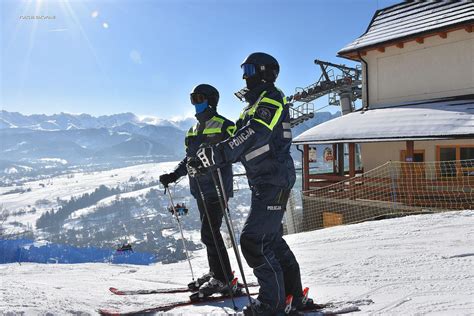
(210, 129)
(262, 140)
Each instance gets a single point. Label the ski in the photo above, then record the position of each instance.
(169, 306)
(162, 291)
(330, 309)
(326, 309)
(336, 308)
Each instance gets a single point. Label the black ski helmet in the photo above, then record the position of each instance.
(266, 66)
(211, 93)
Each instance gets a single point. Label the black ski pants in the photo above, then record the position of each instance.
(215, 215)
(264, 249)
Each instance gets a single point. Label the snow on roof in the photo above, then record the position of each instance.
(434, 119)
(409, 19)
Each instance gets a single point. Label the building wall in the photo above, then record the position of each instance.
(437, 68)
(376, 154)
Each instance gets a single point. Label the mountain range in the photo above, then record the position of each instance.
(67, 121)
(38, 143)
(33, 142)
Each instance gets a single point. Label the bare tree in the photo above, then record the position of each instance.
(4, 213)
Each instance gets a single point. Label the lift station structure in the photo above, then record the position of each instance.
(343, 85)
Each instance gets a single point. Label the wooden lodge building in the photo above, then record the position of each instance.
(415, 130)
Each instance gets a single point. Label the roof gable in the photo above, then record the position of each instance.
(412, 19)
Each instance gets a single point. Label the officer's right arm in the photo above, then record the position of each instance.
(254, 136)
(181, 169)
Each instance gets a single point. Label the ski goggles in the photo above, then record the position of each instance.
(249, 70)
(197, 98)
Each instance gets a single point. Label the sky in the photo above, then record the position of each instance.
(104, 57)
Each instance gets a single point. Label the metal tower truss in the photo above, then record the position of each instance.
(334, 81)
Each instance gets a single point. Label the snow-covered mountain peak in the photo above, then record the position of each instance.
(67, 121)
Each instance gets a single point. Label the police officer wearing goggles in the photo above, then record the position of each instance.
(262, 144)
(210, 129)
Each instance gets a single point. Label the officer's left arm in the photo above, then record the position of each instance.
(255, 134)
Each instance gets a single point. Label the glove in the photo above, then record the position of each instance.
(195, 167)
(168, 178)
(206, 156)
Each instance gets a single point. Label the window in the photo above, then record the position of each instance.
(418, 170)
(418, 155)
(446, 155)
(456, 160)
(467, 153)
(466, 165)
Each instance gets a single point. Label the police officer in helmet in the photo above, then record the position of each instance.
(262, 144)
(210, 129)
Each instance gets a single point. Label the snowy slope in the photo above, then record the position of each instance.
(75, 184)
(34, 198)
(414, 265)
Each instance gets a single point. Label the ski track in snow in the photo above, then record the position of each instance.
(415, 265)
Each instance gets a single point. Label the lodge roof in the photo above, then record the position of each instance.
(411, 19)
(445, 118)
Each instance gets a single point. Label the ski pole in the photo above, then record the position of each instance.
(206, 211)
(181, 230)
(223, 202)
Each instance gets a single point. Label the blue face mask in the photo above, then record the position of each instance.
(200, 107)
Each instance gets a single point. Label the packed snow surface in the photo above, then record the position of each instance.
(415, 265)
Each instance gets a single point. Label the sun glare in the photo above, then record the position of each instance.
(35, 17)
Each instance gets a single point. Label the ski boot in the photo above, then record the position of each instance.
(214, 286)
(258, 308)
(195, 285)
(305, 303)
(290, 310)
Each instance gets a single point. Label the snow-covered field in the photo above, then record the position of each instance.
(75, 184)
(43, 195)
(415, 265)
